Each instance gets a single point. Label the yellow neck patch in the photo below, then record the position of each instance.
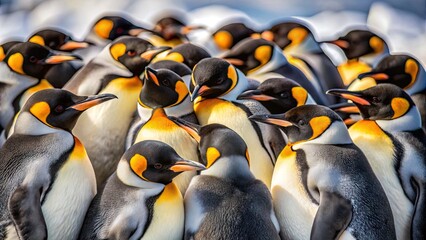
(297, 36)
(319, 125)
(412, 68)
(223, 40)
(103, 28)
(399, 106)
(377, 44)
(79, 152)
(15, 62)
(139, 164)
(41, 111)
(117, 50)
(169, 194)
(37, 39)
(300, 94)
(212, 155)
(175, 56)
(2, 54)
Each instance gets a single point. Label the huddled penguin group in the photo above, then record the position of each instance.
(138, 132)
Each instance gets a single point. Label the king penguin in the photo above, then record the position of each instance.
(140, 200)
(116, 70)
(323, 186)
(217, 86)
(165, 94)
(226, 201)
(260, 59)
(46, 178)
(392, 139)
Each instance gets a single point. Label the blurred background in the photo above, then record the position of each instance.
(401, 22)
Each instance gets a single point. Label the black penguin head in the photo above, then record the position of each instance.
(56, 40)
(250, 54)
(304, 123)
(401, 70)
(213, 77)
(177, 67)
(358, 43)
(162, 88)
(155, 161)
(59, 108)
(113, 27)
(171, 27)
(33, 59)
(278, 95)
(187, 53)
(287, 33)
(229, 35)
(5, 47)
(381, 102)
(134, 53)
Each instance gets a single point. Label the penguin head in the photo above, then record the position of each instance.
(154, 161)
(250, 54)
(113, 27)
(381, 102)
(358, 43)
(229, 35)
(56, 40)
(5, 47)
(401, 70)
(177, 67)
(33, 59)
(213, 77)
(285, 34)
(188, 54)
(59, 108)
(302, 124)
(134, 53)
(278, 95)
(162, 88)
(170, 27)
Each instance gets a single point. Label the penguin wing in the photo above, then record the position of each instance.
(194, 213)
(419, 219)
(333, 216)
(25, 210)
(135, 125)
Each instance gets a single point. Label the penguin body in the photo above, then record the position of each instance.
(217, 85)
(47, 180)
(260, 59)
(323, 186)
(391, 137)
(226, 201)
(139, 200)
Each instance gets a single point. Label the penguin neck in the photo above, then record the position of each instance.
(410, 121)
(27, 124)
(374, 58)
(179, 110)
(241, 86)
(95, 39)
(129, 178)
(232, 167)
(104, 58)
(310, 45)
(336, 134)
(420, 84)
(277, 60)
(310, 100)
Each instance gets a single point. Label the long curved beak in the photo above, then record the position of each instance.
(375, 75)
(151, 74)
(234, 61)
(345, 108)
(186, 165)
(274, 119)
(150, 54)
(356, 97)
(72, 45)
(339, 42)
(91, 101)
(60, 58)
(255, 95)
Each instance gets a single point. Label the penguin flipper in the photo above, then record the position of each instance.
(419, 220)
(333, 216)
(27, 216)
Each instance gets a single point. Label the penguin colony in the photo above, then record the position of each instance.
(138, 133)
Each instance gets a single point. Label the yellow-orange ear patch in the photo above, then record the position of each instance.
(263, 54)
(41, 111)
(117, 50)
(212, 155)
(300, 94)
(181, 90)
(139, 164)
(399, 106)
(2, 54)
(175, 56)
(15, 62)
(412, 68)
(103, 28)
(223, 40)
(377, 44)
(37, 39)
(297, 35)
(319, 125)
(233, 75)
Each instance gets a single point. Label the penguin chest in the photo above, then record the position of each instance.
(349, 71)
(224, 112)
(294, 209)
(379, 150)
(168, 216)
(74, 187)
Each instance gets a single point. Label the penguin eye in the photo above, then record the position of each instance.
(131, 53)
(59, 109)
(120, 30)
(301, 122)
(376, 100)
(158, 165)
(33, 59)
(219, 81)
(165, 82)
(284, 95)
